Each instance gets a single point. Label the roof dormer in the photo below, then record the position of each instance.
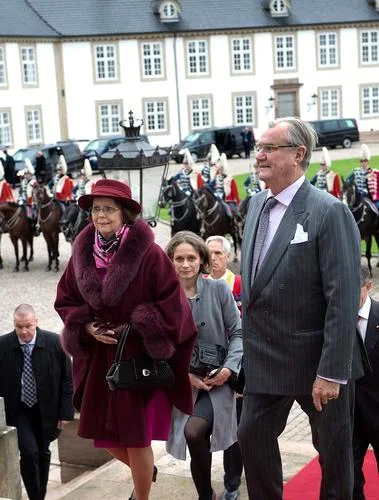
(169, 11)
(374, 3)
(279, 8)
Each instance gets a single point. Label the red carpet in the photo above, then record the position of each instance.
(305, 485)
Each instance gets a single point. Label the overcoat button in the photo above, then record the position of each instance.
(281, 286)
(202, 323)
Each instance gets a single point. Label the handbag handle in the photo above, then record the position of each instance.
(121, 344)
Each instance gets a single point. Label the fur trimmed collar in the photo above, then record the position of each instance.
(120, 272)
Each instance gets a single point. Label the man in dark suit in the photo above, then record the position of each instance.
(366, 415)
(36, 384)
(299, 316)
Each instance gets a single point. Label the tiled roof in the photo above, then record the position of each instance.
(105, 17)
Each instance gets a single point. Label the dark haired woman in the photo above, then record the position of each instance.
(117, 274)
(212, 427)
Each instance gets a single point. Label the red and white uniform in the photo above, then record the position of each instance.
(6, 193)
(373, 184)
(231, 190)
(63, 188)
(333, 183)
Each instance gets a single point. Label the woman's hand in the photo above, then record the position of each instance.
(219, 379)
(100, 332)
(198, 382)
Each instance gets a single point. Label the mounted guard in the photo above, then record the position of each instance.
(326, 179)
(366, 179)
(6, 193)
(186, 176)
(252, 183)
(204, 177)
(225, 187)
(62, 185)
(25, 194)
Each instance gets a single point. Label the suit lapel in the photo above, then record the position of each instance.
(372, 332)
(295, 214)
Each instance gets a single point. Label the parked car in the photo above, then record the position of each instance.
(51, 152)
(336, 132)
(227, 139)
(82, 143)
(97, 147)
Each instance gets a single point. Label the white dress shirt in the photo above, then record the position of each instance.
(364, 313)
(284, 198)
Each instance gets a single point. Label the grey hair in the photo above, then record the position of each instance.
(227, 247)
(24, 310)
(365, 275)
(300, 133)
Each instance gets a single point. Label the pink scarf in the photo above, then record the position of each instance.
(104, 250)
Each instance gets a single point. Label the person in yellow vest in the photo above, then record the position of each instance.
(326, 179)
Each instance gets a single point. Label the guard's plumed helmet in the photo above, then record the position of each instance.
(365, 152)
(325, 158)
(86, 170)
(223, 162)
(62, 165)
(213, 154)
(187, 157)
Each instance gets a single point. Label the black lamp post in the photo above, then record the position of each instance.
(141, 165)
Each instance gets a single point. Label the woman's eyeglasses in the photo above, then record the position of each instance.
(105, 210)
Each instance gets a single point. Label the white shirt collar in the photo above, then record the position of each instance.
(364, 311)
(32, 342)
(286, 196)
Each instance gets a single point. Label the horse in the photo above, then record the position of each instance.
(214, 217)
(14, 221)
(183, 209)
(48, 216)
(364, 215)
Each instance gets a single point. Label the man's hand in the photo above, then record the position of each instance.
(324, 391)
(100, 332)
(197, 382)
(219, 379)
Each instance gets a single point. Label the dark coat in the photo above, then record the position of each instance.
(367, 387)
(141, 286)
(52, 370)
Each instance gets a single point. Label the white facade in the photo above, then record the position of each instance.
(178, 84)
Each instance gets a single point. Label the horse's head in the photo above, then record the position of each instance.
(350, 196)
(172, 192)
(204, 198)
(39, 194)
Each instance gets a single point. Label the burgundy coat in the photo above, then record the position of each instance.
(140, 285)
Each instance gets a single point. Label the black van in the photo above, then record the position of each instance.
(51, 152)
(227, 139)
(336, 132)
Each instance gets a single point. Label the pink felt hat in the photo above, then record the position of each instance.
(110, 188)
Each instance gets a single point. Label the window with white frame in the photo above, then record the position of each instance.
(327, 49)
(5, 127)
(278, 7)
(242, 57)
(3, 68)
(152, 59)
(197, 57)
(29, 65)
(370, 101)
(330, 103)
(285, 52)
(201, 112)
(370, 47)
(106, 63)
(244, 111)
(34, 125)
(156, 116)
(109, 117)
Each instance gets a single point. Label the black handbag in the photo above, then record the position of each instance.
(138, 374)
(206, 357)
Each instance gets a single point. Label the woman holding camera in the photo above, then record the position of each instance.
(217, 355)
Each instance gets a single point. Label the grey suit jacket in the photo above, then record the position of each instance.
(299, 316)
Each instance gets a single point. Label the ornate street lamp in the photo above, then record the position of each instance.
(141, 165)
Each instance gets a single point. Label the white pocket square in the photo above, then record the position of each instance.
(300, 235)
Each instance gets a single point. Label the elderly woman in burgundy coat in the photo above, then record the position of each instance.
(117, 275)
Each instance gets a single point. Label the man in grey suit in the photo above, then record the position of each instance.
(300, 295)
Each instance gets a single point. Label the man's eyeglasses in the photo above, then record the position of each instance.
(269, 148)
(105, 210)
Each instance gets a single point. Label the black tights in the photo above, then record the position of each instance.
(197, 433)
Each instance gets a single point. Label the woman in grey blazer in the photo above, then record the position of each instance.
(212, 427)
